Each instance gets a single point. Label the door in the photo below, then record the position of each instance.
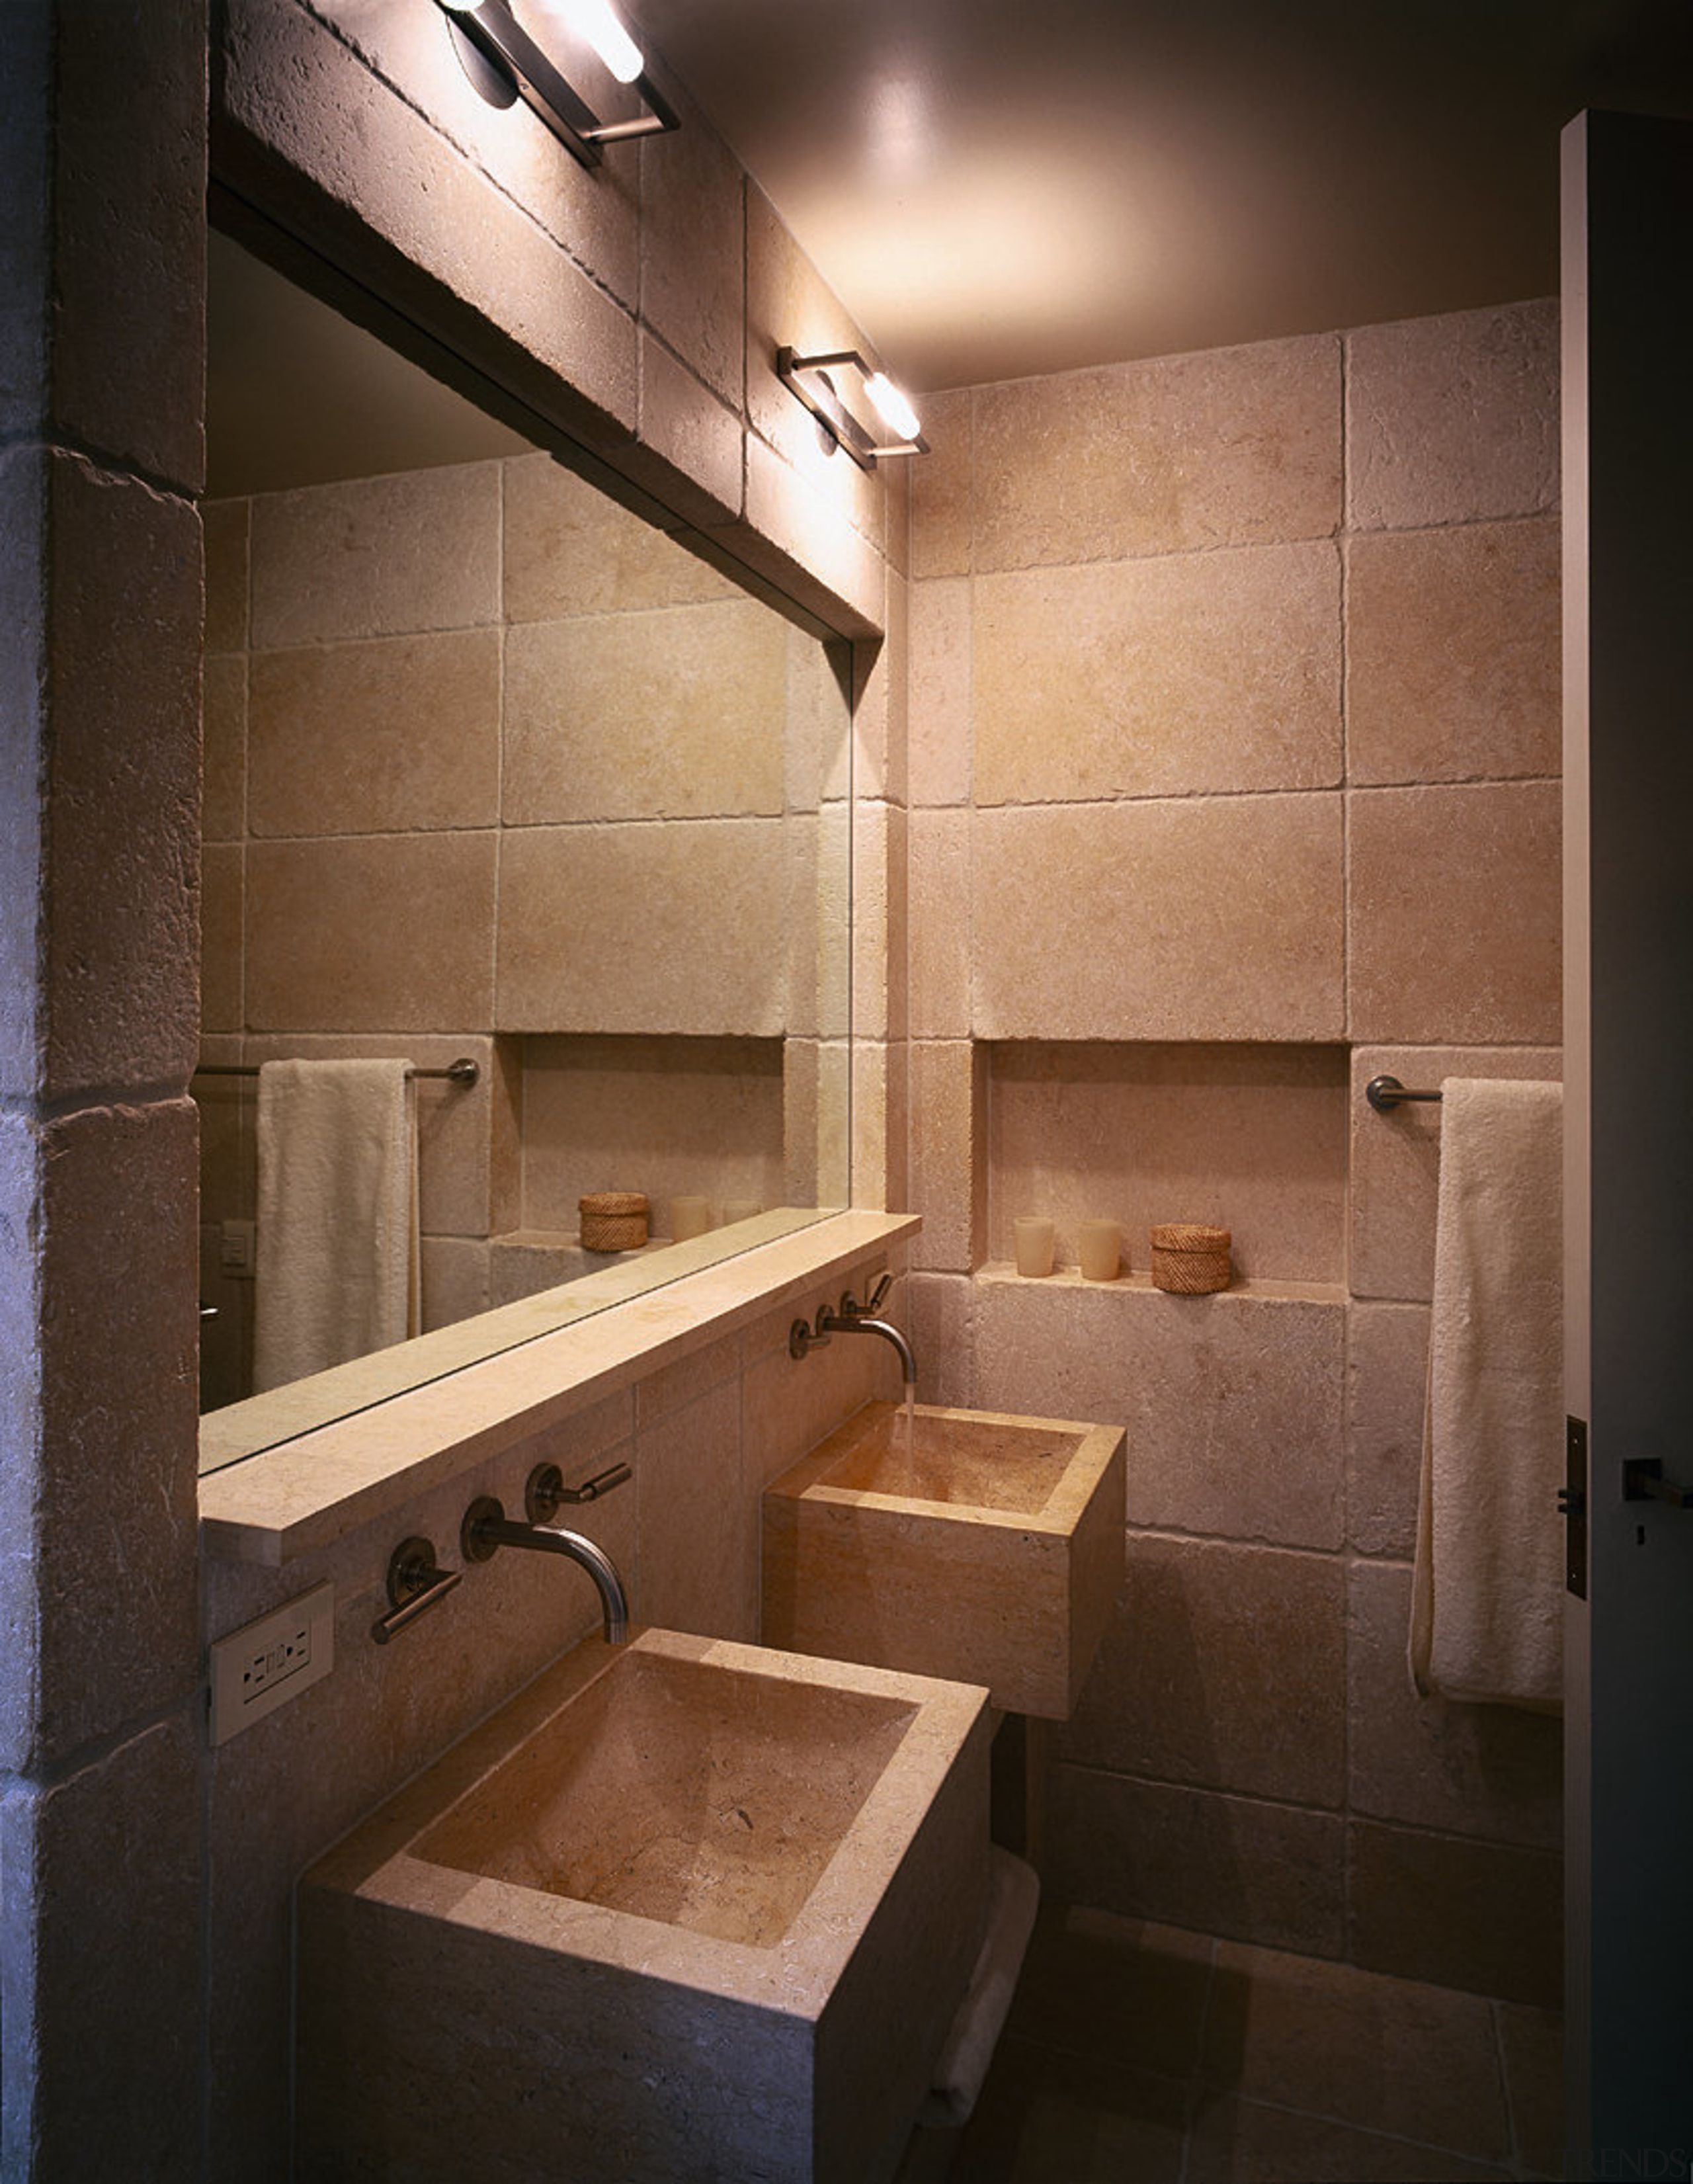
(1628, 310)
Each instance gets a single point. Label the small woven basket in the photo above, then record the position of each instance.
(613, 1220)
(1189, 1259)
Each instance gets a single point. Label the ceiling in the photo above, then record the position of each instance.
(1002, 187)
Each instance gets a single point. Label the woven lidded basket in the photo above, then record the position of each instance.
(1189, 1259)
(613, 1220)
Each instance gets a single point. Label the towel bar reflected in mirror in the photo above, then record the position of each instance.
(463, 1072)
(1386, 1093)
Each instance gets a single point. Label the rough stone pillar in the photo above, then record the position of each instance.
(102, 264)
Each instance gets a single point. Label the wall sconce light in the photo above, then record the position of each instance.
(863, 424)
(504, 63)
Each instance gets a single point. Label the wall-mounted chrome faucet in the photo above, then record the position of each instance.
(854, 1318)
(487, 1529)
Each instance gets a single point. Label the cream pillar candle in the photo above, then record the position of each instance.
(688, 1217)
(1100, 1247)
(738, 1209)
(1034, 1243)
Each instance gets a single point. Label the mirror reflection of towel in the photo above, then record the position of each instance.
(1487, 1593)
(337, 1262)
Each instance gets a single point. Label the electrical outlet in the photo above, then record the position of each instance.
(265, 1663)
(237, 1248)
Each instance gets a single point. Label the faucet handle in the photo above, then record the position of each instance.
(852, 1309)
(546, 1492)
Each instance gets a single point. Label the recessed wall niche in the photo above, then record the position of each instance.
(1251, 1137)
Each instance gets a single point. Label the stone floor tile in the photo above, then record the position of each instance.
(1120, 1991)
(1245, 2142)
(1046, 2116)
(1387, 2055)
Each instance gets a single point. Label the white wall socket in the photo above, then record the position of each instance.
(264, 1664)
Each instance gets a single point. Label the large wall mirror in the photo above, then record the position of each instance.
(498, 771)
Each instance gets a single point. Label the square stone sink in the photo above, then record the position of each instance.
(682, 1909)
(988, 1549)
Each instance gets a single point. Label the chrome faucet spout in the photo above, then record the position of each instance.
(835, 1323)
(487, 1528)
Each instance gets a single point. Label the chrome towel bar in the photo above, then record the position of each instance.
(463, 1072)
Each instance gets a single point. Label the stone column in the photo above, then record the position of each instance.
(101, 263)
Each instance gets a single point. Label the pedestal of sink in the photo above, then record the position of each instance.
(989, 1552)
(683, 1910)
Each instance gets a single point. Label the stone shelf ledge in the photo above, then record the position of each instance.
(288, 1500)
(1243, 1290)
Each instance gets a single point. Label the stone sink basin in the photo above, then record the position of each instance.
(682, 1909)
(990, 1551)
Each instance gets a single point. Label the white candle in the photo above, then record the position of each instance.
(1099, 1248)
(1035, 1242)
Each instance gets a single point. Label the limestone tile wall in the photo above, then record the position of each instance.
(487, 750)
(1233, 778)
(703, 1436)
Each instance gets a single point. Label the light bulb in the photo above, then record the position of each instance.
(597, 23)
(895, 412)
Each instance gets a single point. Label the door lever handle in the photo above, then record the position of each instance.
(1643, 1479)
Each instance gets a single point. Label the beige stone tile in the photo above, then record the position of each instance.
(1474, 1770)
(224, 525)
(638, 928)
(873, 829)
(1410, 2060)
(940, 751)
(1218, 918)
(1227, 448)
(593, 213)
(674, 1387)
(693, 251)
(939, 951)
(1454, 912)
(1187, 673)
(1044, 2113)
(800, 1122)
(788, 304)
(695, 437)
(872, 755)
(1453, 419)
(387, 736)
(431, 230)
(1222, 1668)
(1395, 1158)
(1234, 2138)
(382, 934)
(1387, 1381)
(99, 1216)
(223, 782)
(698, 1569)
(456, 1280)
(1452, 662)
(222, 888)
(127, 333)
(1252, 1139)
(1188, 1857)
(948, 1115)
(103, 1872)
(869, 1123)
(653, 716)
(941, 483)
(1532, 2041)
(570, 549)
(377, 557)
(897, 967)
(937, 1312)
(897, 486)
(1486, 1917)
(799, 534)
(807, 918)
(121, 773)
(662, 1116)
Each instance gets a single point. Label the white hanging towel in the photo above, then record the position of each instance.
(337, 1265)
(1487, 1594)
